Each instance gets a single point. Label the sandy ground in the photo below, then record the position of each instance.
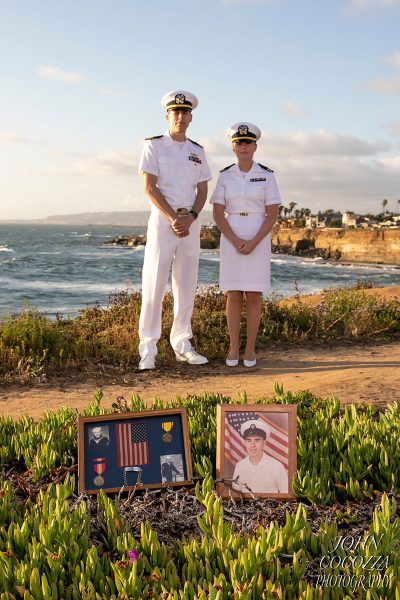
(352, 372)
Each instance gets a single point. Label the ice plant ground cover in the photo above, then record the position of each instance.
(339, 539)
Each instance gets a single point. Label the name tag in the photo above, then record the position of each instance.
(195, 159)
(258, 179)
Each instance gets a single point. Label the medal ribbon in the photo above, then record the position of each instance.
(167, 426)
(99, 465)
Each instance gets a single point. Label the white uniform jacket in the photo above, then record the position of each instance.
(178, 168)
(268, 476)
(246, 192)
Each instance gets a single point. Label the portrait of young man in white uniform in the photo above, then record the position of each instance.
(258, 472)
(175, 174)
(256, 450)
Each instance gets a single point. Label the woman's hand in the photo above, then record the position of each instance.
(237, 243)
(247, 247)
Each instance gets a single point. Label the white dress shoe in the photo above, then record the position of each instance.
(250, 363)
(232, 362)
(146, 363)
(192, 357)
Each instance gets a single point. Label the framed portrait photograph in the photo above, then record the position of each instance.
(256, 450)
(148, 449)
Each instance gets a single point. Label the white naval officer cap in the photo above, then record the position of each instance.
(244, 131)
(255, 427)
(179, 100)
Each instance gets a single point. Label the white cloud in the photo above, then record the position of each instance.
(394, 59)
(108, 164)
(392, 163)
(385, 85)
(10, 138)
(360, 5)
(291, 109)
(300, 143)
(393, 128)
(60, 75)
(322, 169)
(339, 183)
(319, 143)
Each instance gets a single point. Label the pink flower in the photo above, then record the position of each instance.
(133, 555)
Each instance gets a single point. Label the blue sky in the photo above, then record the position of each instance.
(81, 84)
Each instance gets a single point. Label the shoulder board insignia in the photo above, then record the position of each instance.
(265, 168)
(226, 168)
(155, 137)
(195, 143)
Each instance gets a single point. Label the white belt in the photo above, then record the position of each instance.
(246, 214)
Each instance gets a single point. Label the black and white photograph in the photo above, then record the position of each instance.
(171, 468)
(99, 439)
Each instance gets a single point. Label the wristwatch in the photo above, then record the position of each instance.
(194, 214)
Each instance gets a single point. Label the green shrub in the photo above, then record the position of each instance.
(31, 342)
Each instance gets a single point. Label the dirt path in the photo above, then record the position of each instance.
(353, 373)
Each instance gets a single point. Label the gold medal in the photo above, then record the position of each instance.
(167, 426)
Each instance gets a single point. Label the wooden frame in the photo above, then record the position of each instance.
(148, 449)
(241, 429)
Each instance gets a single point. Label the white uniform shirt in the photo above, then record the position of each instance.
(178, 167)
(268, 476)
(246, 192)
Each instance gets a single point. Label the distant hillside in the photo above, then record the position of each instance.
(100, 218)
(133, 218)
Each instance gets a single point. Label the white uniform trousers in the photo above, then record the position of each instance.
(164, 247)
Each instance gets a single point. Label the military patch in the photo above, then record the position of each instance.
(226, 168)
(265, 168)
(195, 143)
(194, 158)
(258, 179)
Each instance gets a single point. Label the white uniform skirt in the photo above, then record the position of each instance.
(245, 272)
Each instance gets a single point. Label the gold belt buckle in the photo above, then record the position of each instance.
(182, 212)
(244, 214)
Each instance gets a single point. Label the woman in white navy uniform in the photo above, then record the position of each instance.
(175, 174)
(245, 204)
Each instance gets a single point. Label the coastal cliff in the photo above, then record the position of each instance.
(379, 246)
(352, 245)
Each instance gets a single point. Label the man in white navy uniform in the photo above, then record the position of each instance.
(258, 472)
(175, 173)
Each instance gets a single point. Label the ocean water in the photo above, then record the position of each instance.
(64, 268)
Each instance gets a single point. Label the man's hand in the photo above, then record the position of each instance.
(182, 224)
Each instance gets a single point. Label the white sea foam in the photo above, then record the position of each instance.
(6, 249)
(209, 258)
(18, 284)
(278, 261)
